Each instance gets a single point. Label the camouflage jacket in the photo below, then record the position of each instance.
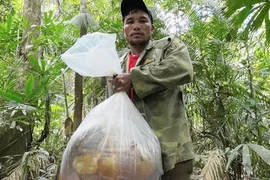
(160, 71)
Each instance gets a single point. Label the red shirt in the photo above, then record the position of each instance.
(132, 60)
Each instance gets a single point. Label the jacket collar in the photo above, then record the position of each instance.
(150, 45)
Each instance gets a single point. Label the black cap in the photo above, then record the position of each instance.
(129, 5)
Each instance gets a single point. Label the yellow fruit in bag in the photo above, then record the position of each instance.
(109, 167)
(86, 163)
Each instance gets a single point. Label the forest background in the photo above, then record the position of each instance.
(42, 101)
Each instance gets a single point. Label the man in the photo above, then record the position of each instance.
(153, 74)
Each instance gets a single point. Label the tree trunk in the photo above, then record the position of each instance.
(32, 13)
(79, 79)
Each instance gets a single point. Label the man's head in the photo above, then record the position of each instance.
(138, 22)
(128, 6)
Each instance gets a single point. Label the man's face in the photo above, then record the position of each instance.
(138, 28)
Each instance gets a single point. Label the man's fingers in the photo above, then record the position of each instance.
(120, 82)
(119, 89)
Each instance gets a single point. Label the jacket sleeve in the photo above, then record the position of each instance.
(175, 68)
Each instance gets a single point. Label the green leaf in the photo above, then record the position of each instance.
(48, 17)
(12, 96)
(43, 65)
(9, 22)
(29, 85)
(34, 62)
(233, 6)
(267, 25)
(40, 87)
(233, 155)
(246, 160)
(241, 16)
(258, 20)
(261, 151)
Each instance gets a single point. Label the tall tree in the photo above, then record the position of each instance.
(78, 78)
(33, 17)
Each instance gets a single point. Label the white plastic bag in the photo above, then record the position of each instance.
(93, 55)
(113, 142)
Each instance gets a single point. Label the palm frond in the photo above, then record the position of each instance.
(34, 164)
(214, 167)
(16, 174)
(249, 15)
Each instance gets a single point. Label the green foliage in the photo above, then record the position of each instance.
(226, 101)
(249, 15)
(6, 7)
(8, 33)
(260, 151)
(27, 100)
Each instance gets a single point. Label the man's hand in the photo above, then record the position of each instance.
(121, 82)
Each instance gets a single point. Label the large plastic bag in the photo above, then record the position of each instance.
(113, 142)
(93, 55)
